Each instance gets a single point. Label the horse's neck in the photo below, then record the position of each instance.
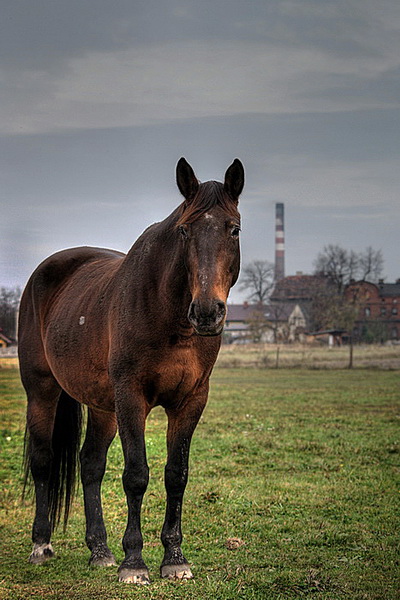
(155, 274)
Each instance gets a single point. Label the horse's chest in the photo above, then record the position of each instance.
(175, 376)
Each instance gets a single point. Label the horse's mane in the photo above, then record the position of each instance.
(209, 195)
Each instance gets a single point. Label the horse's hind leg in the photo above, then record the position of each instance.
(100, 432)
(41, 413)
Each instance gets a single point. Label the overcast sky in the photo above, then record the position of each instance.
(99, 100)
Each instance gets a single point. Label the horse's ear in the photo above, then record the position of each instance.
(234, 179)
(186, 179)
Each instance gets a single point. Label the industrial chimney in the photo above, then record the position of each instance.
(279, 242)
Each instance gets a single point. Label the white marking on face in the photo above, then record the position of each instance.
(212, 221)
(203, 278)
(81, 320)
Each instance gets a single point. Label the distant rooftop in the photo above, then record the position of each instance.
(297, 287)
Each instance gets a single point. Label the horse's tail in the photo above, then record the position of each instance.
(65, 457)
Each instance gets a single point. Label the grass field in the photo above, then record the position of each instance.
(302, 466)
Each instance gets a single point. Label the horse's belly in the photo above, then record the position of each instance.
(86, 384)
(79, 366)
(95, 391)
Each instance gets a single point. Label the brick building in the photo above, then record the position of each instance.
(378, 310)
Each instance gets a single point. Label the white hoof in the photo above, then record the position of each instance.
(138, 576)
(176, 572)
(41, 553)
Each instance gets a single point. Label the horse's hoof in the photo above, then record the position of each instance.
(107, 560)
(138, 576)
(41, 553)
(176, 572)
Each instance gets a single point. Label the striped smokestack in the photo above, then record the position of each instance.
(279, 242)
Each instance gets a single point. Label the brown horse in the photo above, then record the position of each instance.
(123, 334)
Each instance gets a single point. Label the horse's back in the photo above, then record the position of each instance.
(58, 267)
(54, 274)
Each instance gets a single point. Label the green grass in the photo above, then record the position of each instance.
(301, 466)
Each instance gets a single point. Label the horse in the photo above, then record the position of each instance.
(122, 334)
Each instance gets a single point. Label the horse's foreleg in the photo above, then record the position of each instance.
(181, 425)
(131, 423)
(100, 432)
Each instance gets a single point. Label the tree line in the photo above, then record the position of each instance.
(336, 264)
(341, 266)
(334, 268)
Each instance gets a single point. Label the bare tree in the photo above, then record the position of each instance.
(340, 266)
(370, 265)
(335, 263)
(353, 266)
(257, 324)
(278, 322)
(258, 280)
(331, 309)
(9, 301)
(324, 305)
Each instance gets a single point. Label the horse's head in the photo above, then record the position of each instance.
(209, 228)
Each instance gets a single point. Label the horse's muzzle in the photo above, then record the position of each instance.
(207, 316)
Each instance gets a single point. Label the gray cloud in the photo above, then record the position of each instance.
(85, 63)
(176, 81)
(100, 99)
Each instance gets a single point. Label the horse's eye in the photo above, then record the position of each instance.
(183, 231)
(235, 231)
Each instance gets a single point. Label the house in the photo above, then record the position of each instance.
(378, 305)
(303, 291)
(5, 342)
(264, 323)
(8, 347)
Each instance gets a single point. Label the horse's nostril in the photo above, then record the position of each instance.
(221, 308)
(207, 315)
(192, 311)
